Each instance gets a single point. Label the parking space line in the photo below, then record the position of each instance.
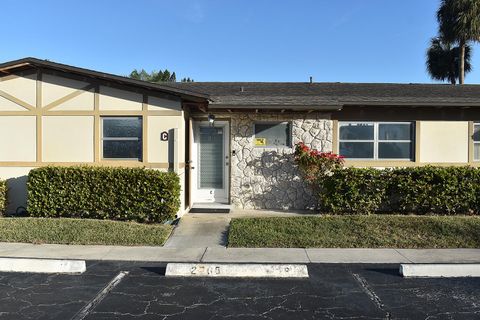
(371, 294)
(100, 296)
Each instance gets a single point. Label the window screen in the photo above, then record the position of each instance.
(273, 134)
(476, 141)
(376, 140)
(122, 138)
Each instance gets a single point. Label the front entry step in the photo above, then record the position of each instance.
(210, 208)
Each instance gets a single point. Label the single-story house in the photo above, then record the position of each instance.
(230, 143)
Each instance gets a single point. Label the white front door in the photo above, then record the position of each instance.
(210, 161)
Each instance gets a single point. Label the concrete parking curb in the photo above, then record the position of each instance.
(235, 270)
(439, 270)
(42, 265)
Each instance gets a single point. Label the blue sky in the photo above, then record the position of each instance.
(230, 40)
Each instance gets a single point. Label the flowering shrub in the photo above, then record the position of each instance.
(314, 164)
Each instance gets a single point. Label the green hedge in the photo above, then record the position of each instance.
(3, 197)
(419, 190)
(132, 194)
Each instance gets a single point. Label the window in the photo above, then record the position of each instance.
(476, 141)
(272, 134)
(122, 138)
(376, 140)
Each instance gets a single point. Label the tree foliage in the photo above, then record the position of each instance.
(156, 76)
(443, 60)
(459, 24)
(459, 20)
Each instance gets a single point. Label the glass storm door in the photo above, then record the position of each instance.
(210, 162)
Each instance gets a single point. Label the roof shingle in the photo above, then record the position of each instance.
(327, 93)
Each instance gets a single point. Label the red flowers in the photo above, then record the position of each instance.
(301, 149)
(314, 164)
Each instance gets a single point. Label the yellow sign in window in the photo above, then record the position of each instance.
(260, 142)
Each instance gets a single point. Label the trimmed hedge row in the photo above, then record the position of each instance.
(130, 194)
(419, 190)
(3, 197)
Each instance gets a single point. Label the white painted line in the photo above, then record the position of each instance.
(236, 270)
(439, 270)
(369, 291)
(42, 265)
(99, 297)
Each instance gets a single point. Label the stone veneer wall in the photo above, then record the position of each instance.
(267, 178)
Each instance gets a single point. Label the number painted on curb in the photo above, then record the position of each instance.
(201, 270)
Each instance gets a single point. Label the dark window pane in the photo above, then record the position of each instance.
(476, 132)
(394, 150)
(356, 131)
(356, 150)
(122, 127)
(211, 157)
(394, 131)
(122, 149)
(276, 134)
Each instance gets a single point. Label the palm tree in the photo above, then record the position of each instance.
(443, 61)
(459, 23)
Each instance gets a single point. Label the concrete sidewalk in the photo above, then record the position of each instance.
(241, 255)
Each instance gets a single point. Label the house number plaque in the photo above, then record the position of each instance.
(164, 136)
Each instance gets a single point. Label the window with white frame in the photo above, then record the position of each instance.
(476, 141)
(376, 140)
(122, 138)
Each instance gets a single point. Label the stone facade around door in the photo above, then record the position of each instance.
(267, 178)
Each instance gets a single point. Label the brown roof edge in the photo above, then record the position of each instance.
(329, 107)
(29, 61)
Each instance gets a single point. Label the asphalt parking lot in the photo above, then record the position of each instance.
(333, 291)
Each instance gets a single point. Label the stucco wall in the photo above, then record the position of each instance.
(160, 104)
(67, 139)
(444, 141)
(23, 88)
(116, 99)
(158, 150)
(267, 178)
(56, 87)
(18, 138)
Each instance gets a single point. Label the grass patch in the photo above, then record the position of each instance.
(82, 231)
(374, 231)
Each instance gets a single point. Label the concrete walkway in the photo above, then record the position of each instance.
(200, 230)
(221, 254)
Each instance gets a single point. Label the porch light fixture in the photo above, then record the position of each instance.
(211, 119)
